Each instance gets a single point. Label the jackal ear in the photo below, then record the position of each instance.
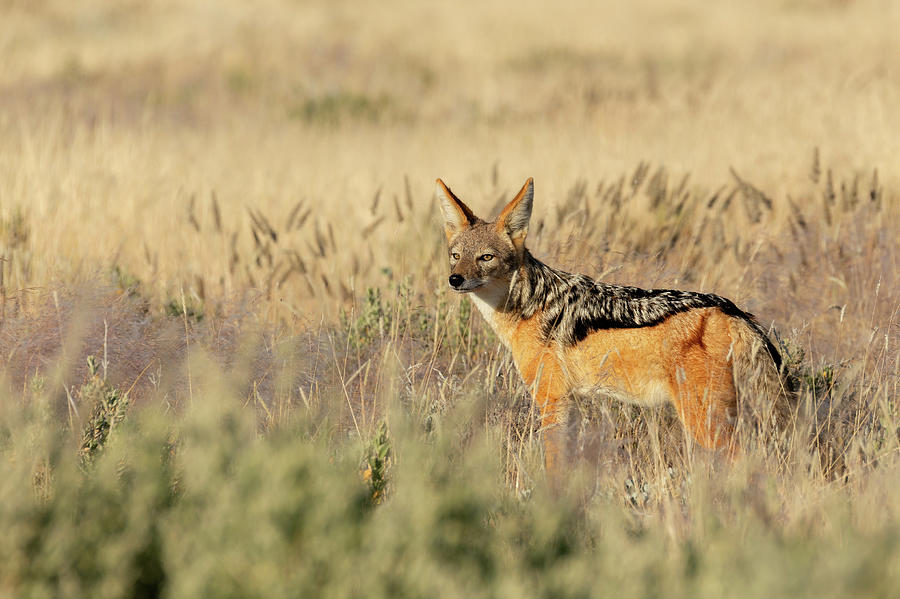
(457, 216)
(515, 216)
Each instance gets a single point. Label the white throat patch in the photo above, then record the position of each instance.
(489, 298)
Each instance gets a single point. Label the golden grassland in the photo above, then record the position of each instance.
(223, 294)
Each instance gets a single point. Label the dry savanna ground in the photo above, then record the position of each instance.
(230, 362)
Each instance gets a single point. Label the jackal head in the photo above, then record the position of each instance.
(485, 255)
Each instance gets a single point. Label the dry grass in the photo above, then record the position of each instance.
(229, 200)
(115, 122)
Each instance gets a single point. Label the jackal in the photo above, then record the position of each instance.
(570, 334)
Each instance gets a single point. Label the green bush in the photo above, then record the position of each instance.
(202, 505)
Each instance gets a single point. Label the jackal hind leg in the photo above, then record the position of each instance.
(705, 398)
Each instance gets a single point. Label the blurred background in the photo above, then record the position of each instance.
(120, 121)
(114, 115)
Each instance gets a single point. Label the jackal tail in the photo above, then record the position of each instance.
(765, 394)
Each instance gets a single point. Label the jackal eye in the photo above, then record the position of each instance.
(455, 256)
(486, 257)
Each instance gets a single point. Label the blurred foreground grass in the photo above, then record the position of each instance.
(202, 504)
(395, 454)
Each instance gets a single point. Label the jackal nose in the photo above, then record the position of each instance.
(456, 281)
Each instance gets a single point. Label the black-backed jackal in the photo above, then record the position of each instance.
(570, 334)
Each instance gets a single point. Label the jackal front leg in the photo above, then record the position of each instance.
(550, 393)
(558, 435)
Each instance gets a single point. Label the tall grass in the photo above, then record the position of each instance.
(202, 500)
(394, 452)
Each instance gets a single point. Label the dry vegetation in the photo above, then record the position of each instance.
(222, 289)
